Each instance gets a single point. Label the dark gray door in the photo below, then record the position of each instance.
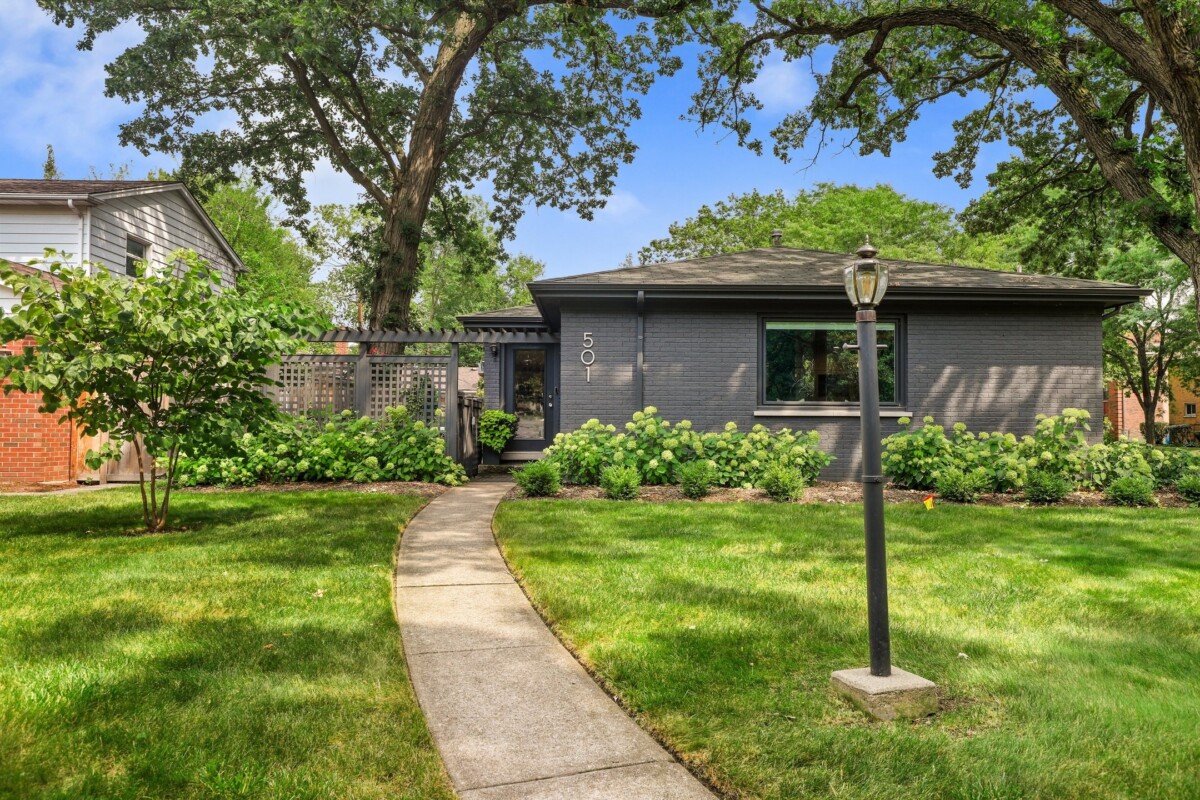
(532, 394)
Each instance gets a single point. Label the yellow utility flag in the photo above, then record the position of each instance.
(928, 501)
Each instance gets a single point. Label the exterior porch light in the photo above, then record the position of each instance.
(880, 690)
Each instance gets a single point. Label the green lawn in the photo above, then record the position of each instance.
(1066, 642)
(252, 655)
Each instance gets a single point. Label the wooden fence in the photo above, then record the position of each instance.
(366, 384)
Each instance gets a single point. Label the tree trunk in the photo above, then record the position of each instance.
(399, 265)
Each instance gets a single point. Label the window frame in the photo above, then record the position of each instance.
(129, 237)
(1191, 413)
(900, 400)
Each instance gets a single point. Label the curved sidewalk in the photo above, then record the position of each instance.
(513, 714)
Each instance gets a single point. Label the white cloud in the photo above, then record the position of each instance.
(53, 93)
(783, 86)
(622, 205)
(327, 185)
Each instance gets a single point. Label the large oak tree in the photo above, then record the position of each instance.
(1101, 98)
(410, 98)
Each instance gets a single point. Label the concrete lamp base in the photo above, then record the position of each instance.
(900, 695)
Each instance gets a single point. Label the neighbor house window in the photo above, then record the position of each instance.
(1189, 409)
(136, 252)
(805, 361)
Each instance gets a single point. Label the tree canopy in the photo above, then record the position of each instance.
(834, 218)
(1101, 100)
(278, 264)
(413, 100)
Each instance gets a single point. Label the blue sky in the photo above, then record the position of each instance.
(53, 93)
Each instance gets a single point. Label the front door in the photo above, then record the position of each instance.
(532, 394)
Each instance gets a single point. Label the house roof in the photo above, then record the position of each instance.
(72, 188)
(29, 191)
(774, 269)
(512, 317)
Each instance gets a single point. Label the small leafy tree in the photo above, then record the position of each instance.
(151, 361)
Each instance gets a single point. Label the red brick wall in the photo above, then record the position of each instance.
(33, 447)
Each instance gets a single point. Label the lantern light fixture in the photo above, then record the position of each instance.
(867, 278)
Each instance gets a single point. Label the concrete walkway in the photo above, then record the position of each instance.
(512, 713)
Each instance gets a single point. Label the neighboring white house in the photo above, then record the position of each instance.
(113, 223)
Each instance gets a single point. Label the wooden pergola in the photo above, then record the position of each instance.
(369, 336)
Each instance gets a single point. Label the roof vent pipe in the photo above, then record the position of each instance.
(776, 238)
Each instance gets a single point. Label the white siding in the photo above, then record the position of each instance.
(26, 232)
(6, 300)
(164, 220)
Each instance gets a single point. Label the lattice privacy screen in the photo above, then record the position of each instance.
(330, 384)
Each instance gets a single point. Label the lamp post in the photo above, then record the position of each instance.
(880, 690)
(866, 282)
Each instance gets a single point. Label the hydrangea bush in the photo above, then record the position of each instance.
(343, 447)
(656, 449)
(1057, 449)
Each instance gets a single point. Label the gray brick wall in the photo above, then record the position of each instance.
(609, 396)
(993, 369)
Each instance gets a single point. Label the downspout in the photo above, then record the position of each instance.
(81, 252)
(639, 376)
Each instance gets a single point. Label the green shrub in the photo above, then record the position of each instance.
(620, 483)
(1168, 464)
(657, 449)
(342, 447)
(1059, 444)
(782, 483)
(696, 478)
(914, 457)
(539, 478)
(1045, 487)
(1188, 487)
(995, 455)
(962, 487)
(1131, 490)
(1104, 463)
(496, 428)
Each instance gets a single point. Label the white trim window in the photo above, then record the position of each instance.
(137, 251)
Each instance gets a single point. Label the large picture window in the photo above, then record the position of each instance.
(806, 362)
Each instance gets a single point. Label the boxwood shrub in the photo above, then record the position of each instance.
(962, 486)
(696, 479)
(338, 448)
(620, 483)
(1131, 490)
(1189, 487)
(782, 483)
(1045, 487)
(539, 479)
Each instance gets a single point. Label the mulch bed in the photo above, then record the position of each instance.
(838, 493)
(430, 490)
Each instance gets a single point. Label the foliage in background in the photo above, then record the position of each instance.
(919, 458)
(411, 100)
(834, 218)
(620, 483)
(279, 266)
(464, 269)
(153, 362)
(1146, 344)
(1100, 100)
(655, 448)
(539, 479)
(496, 428)
(341, 448)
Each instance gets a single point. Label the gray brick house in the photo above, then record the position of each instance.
(755, 337)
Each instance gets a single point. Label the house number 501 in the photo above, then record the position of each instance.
(588, 356)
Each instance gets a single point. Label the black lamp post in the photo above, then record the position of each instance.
(866, 282)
